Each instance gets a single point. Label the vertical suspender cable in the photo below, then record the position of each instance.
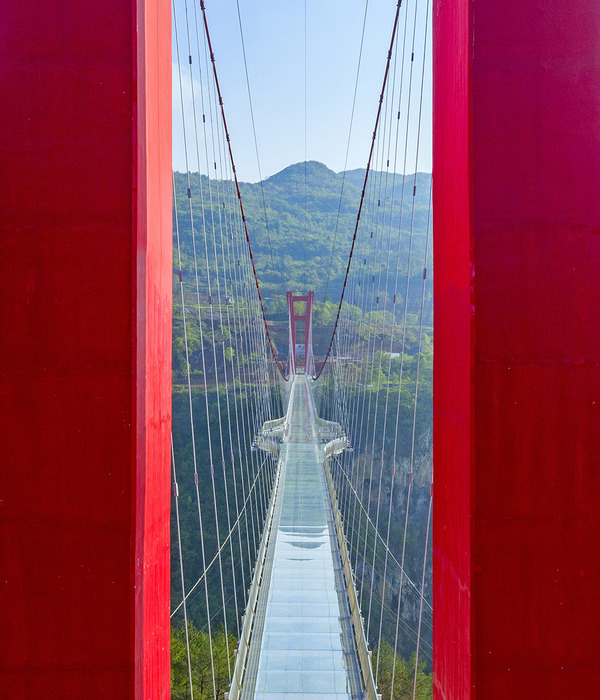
(180, 552)
(239, 195)
(385, 77)
(187, 357)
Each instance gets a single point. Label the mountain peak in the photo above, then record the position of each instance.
(296, 172)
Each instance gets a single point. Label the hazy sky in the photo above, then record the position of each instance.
(274, 35)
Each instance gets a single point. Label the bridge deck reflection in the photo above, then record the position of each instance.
(302, 641)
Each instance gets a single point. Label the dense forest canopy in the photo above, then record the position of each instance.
(295, 217)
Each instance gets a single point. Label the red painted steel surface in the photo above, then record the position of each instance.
(452, 410)
(154, 325)
(526, 441)
(306, 317)
(85, 235)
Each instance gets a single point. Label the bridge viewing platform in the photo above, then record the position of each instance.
(302, 630)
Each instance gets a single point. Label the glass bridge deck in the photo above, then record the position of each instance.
(299, 646)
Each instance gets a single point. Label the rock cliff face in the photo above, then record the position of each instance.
(389, 566)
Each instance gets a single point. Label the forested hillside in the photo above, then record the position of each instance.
(295, 216)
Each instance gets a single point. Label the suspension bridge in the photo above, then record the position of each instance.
(312, 554)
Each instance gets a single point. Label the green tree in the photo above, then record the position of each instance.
(403, 673)
(203, 663)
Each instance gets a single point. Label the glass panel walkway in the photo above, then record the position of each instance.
(302, 642)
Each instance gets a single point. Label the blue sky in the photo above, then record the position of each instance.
(274, 35)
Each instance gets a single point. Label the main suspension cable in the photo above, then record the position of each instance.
(239, 194)
(364, 187)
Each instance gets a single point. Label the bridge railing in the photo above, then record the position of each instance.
(271, 435)
(336, 446)
(270, 426)
(362, 647)
(249, 615)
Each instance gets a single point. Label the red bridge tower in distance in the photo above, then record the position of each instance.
(308, 365)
